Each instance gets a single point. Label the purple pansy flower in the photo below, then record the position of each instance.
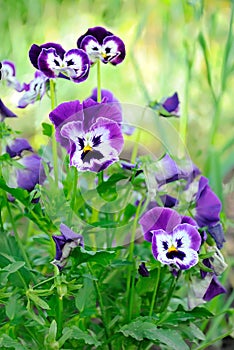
(168, 107)
(214, 286)
(5, 112)
(32, 172)
(54, 61)
(90, 132)
(8, 73)
(168, 171)
(101, 44)
(175, 239)
(17, 146)
(65, 244)
(207, 211)
(34, 91)
(143, 271)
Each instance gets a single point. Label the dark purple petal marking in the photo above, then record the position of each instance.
(99, 33)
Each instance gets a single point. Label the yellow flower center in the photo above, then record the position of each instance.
(172, 249)
(87, 148)
(104, 55)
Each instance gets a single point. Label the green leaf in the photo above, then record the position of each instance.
(76, 333)
(12, 307)
(37, 300)
(102, 257)
(142, 329)
(47, 129)
(181, 315)
(86, 297)
(8, 342)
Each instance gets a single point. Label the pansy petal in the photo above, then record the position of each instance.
(113, 50)
(77, 65)
(161, 241)
(208, 205)
(5, 112)
(91, 46)
(190, 259)
(17, 146)
(97, 32)
(35, 51)
(171, 104)
(72, 130)
(186, 236)
(217, 233)
(215, 288)
(68, 234)
(32, 174)
(159, 218)
(49, 62)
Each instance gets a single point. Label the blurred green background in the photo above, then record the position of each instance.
(172, 45)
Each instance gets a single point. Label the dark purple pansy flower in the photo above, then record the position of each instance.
(17, 146)
(8, 73)
(0, 70)
(168, 107)
(54, 61)
(34, 91)
(168, 171)
(207, 211)
(101, 44)
(175, 239)
(32, 172)
(214, 287)
(143, 271)
(5, 112)
(65, 244)
(90, 132)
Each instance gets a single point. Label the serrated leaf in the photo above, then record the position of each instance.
(76, 333)
(8, 342)
(141, 329)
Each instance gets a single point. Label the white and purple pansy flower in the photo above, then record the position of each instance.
(175, 238)
(101, 44)
(91, 133)
(8, 73)
(34, 91)
(65, 243)
(54, 61)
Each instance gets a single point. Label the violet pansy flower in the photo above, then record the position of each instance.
(207, 211)
(32, 171)
(101, 44)
(54, 61)
(65, 243)
(8, 73)
(90, 132)
(175, 238)
(169, 171)
(34, 91)
(5, 112)
(168, 107)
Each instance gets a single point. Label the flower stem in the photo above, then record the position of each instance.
(73, 197)
(99, 91)
(154, 297)
(130, 278)
(54, 142)
(102, 308)
(170, 292)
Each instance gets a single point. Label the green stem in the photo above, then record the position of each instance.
(170, 292)
(154, 297)
(54, 142)
(208, 343)
(73, 197)
(102, 308)
(99, 91)
(130, 278)
(136, 146)
(17, 238)
(184, 115)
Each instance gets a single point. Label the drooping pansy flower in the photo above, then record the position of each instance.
(101, 44)
(35, 90)
(65, 243)
(143, 271)
(175, 238)
(5, 112)
(8, 73)
(32, 171)
(52, 60)
(91, 133)
(207, 211)
(168, 107)
(169, 171)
